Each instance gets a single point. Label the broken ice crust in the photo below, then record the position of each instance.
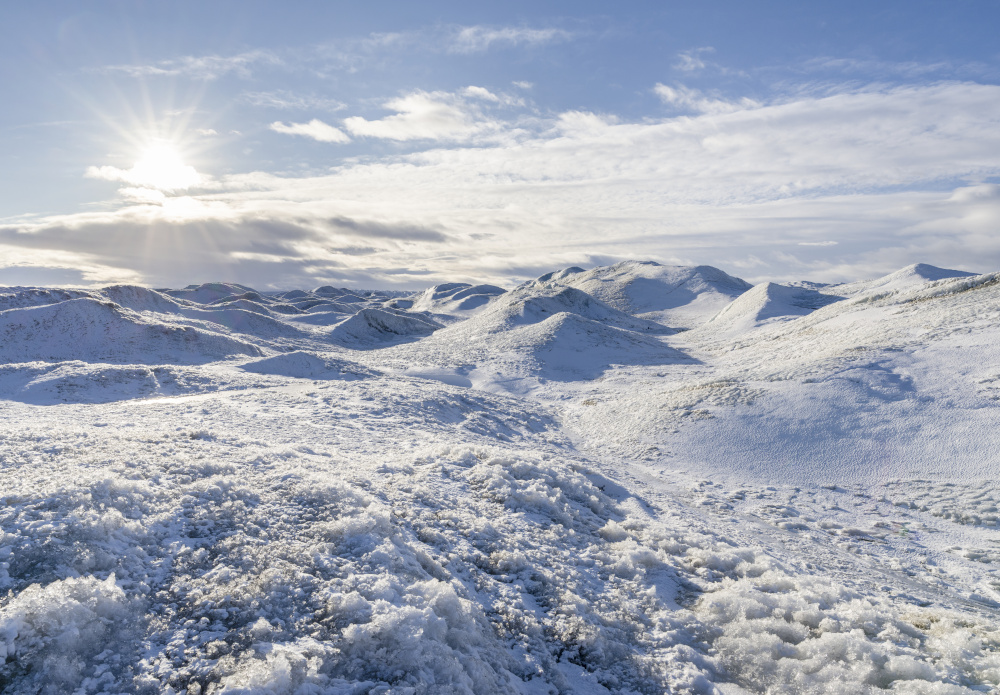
(635, 478)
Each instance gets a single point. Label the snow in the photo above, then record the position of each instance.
(471, 490)
(677, 296)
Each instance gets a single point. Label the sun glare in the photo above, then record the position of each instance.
(161, 167)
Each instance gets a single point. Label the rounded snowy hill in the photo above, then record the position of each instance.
(375, 328)
(209, 292)
(548, 331)
(903, 279)
(94, 331)
(455, 298)
(764, 304)
(677, 296)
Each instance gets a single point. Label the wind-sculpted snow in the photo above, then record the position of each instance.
(335, 491)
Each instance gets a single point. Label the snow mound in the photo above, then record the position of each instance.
(903, 279)
(20, 297)
(93, 331)
(50, 635)
(534, 303)
(304, 365)
(455, 297)
(252, 295)
(330, 291)
(139, 298)
(766, 303)
(237, 320)
(560, 275)
(535, 333)
(42, 383)
(682, 296)
(569, 346)
(210, 292)
(377, 327)
(243, 305)
(324, 305)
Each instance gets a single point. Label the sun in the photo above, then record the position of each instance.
(160, 166)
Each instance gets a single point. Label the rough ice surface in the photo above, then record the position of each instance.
(631, 479)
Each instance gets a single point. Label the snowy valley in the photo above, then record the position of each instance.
(635, 478)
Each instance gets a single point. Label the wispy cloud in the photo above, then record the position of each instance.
(475, 39)
(289, 101)
(315, 129)
(208, 67)
(691, 60)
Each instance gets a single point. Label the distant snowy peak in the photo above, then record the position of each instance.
(455, 298)
(679, 296)
(903, 279)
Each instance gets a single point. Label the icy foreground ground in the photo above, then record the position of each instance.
(632, 479)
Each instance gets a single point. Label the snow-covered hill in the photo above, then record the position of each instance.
(472, 490)
(677, 296)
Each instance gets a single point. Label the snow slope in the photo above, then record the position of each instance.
(551, 494)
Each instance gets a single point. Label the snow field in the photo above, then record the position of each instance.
(241, 554)
(471, 491)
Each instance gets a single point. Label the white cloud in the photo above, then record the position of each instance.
(315, 129)
(153, 177)
(439, 116)
(476, 39)
(869, 170)
(521, 84)
(688, 99)
(691, 61)
(208, 67)
(286, 100)
(480, 93)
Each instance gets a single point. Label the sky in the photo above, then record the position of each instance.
(398, 144)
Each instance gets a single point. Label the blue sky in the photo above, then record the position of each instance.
(403, 144)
